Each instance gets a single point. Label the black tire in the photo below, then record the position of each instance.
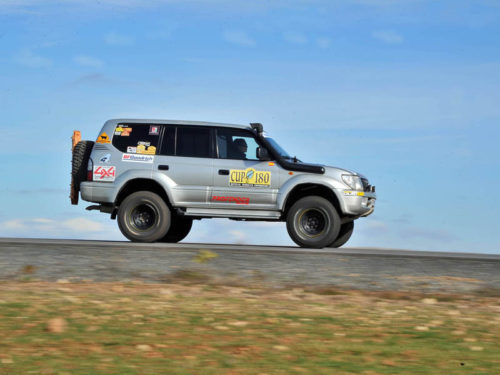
(144, 217)
(345, 233)
(313, 222)
(179, 229)
(79, 161)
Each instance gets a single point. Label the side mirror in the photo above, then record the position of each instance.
(263, 154)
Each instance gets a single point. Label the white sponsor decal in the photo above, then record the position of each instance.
(138, 158)
(132, 150)
(104, 173)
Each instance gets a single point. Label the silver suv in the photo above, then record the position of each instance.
(157, 176)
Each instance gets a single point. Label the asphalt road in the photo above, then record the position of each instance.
(353, 268)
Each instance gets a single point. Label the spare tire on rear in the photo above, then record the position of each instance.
(79, 161)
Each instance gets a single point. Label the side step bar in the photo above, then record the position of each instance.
(218, 212)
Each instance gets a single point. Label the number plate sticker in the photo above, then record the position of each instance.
(249, 177)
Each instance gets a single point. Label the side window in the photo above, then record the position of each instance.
(193, 142)
(168, 141)
(236, 144)
(137, 138)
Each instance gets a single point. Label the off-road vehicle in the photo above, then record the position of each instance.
(157, 176)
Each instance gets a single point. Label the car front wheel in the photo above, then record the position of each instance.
(344, 235)
(313, 222)
(144, 217)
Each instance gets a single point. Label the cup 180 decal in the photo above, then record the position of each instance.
(249, 177)
(104, 173)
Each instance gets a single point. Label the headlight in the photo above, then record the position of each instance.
(354, 182)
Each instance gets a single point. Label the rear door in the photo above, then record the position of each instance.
(186, 158)
(137, 146)
(241, 181)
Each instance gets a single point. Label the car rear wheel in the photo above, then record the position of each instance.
(144, 217)
(313, 222)
(345, 234)
(179, 229)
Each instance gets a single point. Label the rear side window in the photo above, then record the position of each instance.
(168, 142)
(193, 142)
(137, 138)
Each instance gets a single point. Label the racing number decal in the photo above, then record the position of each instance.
(249, 177)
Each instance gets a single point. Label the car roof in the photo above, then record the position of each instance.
(175, 122)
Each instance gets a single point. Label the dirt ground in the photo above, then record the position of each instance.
(194, 328)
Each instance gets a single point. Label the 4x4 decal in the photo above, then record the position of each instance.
(104, 173)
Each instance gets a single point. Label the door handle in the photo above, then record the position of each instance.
(224, 172)
(163, 167)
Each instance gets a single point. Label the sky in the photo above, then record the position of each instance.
(405, 92)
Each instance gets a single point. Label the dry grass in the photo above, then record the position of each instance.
(116, 328)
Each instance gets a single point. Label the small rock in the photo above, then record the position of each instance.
(56, 325)
(470, 339)
(422, 328)
(63, 281)
(388, 362)
(436, 323)
(222, 328)
(281, 348)
(143, 347)
(239, 323)
(71, 299)
(166, 292)
(429, 301)
(476, 348)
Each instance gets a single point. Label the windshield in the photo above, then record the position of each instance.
(278, 148)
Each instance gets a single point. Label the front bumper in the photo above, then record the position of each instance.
(98, 192)
(357, 203)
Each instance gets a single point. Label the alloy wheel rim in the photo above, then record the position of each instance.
(143, 217)
(313, 222)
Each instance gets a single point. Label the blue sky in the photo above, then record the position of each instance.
(405, 92)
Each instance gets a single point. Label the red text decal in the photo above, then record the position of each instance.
(237, 200)
(105, 172)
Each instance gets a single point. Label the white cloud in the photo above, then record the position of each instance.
(294, 37)
(116, 39)
(388, 36)
(323, 43)
(239, 236)
(42, 220)
(81, 224)
(88, 61)
(239, 38)
(15, 224)
(27, 58)
(45, 226)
